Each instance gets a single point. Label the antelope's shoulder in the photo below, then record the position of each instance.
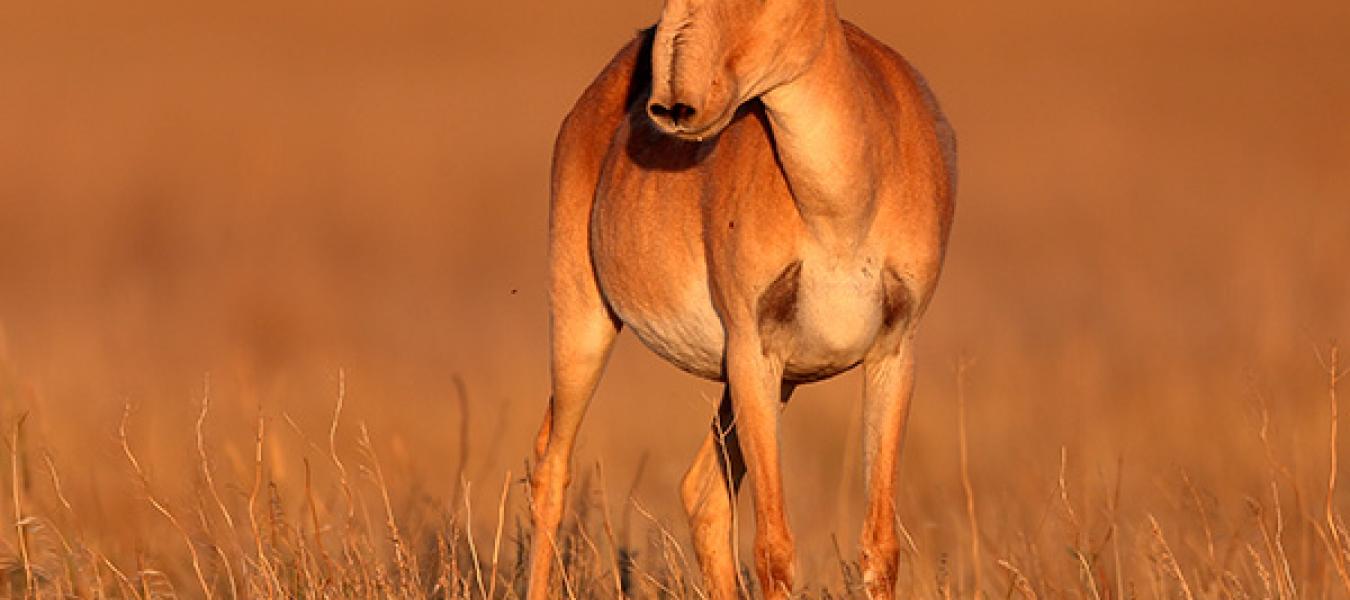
(589, 129)
(606, 101)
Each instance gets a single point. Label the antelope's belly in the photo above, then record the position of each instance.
(676, 321)
(647, 248)
(835, 319)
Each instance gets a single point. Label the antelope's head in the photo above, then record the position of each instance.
(711, 56)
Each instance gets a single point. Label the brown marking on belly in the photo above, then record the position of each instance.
(778, 303)
(897, 302)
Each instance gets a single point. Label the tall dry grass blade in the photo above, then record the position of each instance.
(68, 569)
(97, 571)
(211, 482)
(468, 535)
(1089, 576)
(904, 532)
(141, 577)
(158, 505)
(328, 571)
(157, 584)
(1086, 574)
(666, 591)
(1064, 495)
(1019, 581)
(1281, 557)
(1204, 519)
(56, 484)
(355, 569)
(20, 523)
(962, 366)
(618, 570)
(1232, 587)
(201, 454)
(1262, 572)
(915, 557)
(343, 479)
(585, 582)
(264, 562)
(229, 570)
(462, 401)
(407, 570)
(497, 534)
(1273, 543)
(127, 587)
(1113, 531)
(315, 523)
(1169, 559)
(1337, 543)
(71, 552)
(676, 560)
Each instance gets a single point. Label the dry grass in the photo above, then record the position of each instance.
(339, 532)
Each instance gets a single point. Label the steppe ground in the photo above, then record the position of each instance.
(1150, 262)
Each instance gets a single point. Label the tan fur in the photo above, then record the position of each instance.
(765, 202)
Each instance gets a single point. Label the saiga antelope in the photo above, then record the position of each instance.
(762, 192)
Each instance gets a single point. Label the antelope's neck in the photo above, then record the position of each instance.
(820, 127)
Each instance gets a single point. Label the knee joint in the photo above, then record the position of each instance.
(703, 495)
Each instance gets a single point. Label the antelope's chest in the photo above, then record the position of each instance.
(833, 320)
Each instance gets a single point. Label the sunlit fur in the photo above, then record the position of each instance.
(762, 193)
(716, 54)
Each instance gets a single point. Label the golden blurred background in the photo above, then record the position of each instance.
(1152, 237)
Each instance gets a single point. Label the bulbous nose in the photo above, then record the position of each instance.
(673, 116)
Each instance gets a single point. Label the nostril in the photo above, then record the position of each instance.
(659, 111)
(674, 114)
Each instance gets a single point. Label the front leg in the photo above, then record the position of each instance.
(889, 383)
(755, 379)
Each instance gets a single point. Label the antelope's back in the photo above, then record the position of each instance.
(935, 135)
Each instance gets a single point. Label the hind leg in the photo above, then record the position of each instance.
(582, 331)
(581, 344)
(709, 493)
